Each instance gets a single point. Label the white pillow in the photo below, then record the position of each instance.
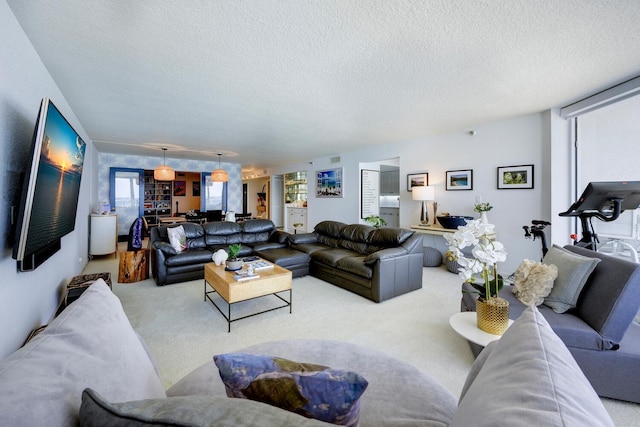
(177, 238)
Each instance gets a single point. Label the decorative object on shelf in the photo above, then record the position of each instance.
(452, 222)
(481, 272)
(515, 177)
(164, 172)
(219, 175)
(233, 262)
(459, 180)
(329, 183)
(376, 221)
(417, 180)
(482, 209)
(424, 194)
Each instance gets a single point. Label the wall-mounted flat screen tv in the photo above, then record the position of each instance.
(50, 191)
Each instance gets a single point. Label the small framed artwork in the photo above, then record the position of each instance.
(195, 188)
(329, 183)
(417, 180)
(515, 177)
(459, 180)
(179, 188)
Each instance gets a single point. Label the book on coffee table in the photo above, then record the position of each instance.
(261, 265)
(244, 275)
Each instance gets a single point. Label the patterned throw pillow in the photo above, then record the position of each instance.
(178, 238)
(314, 391)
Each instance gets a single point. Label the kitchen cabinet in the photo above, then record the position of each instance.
(391, 215)
(390, 182)
(295, 187)
(296, 216)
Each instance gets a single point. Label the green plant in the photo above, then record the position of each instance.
(482, 207)
(376, 221)
(234, 250)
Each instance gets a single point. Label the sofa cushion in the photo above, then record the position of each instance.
(185, 411)
(528, 377)
(314, 391)
(611, 297)
(222, 233)
(573, 272)
(90, 344)
(386, 400)
(355, 265)
(192, 256)
(331, 256)
(386, 237)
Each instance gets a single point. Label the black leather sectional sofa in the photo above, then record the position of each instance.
(377, 263)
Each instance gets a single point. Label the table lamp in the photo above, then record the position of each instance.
(423, 194)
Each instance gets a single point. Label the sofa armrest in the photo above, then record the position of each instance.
(280, 236)
(298, 239)
(384, 254)
(165, 247)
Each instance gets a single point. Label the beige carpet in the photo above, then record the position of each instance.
(183, 331)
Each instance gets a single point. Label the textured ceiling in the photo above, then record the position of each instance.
(276, 82)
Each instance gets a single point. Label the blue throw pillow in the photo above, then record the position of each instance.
(314, 391)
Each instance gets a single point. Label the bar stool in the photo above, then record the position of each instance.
(296, 226)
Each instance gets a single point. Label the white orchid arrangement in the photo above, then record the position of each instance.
(486, 254)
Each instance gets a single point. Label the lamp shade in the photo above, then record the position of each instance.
(423, 193)
(164, 173)
(219, 175)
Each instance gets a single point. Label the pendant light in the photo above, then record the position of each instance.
(219, 175)
(164, 172)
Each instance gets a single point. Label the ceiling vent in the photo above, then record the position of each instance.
(335, 159)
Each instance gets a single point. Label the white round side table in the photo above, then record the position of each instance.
(465, 324)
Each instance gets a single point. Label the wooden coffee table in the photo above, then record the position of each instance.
(271, 282)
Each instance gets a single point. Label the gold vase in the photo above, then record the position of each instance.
(493, 315)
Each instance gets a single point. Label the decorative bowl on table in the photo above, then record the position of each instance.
(453, 221)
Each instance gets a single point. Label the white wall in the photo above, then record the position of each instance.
(27, 300)
(514, 141)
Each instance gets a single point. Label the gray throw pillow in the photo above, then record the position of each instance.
(527, 378)
(573, 272)
(185, 411)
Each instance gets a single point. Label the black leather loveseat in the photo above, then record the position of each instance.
(203, 241)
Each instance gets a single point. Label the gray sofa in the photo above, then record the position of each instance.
(90, 368)
(377, 263)
(600, 332)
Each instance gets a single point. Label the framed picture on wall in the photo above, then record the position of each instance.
(459, 180)
(179, 188)
(515, 177)
(417, 180)
(329, 183)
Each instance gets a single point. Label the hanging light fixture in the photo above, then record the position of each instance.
(164, 172)
(219, 175)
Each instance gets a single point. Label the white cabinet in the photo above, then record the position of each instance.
(391, 215)
(296, 216)
(390, 182)
(103, 235)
